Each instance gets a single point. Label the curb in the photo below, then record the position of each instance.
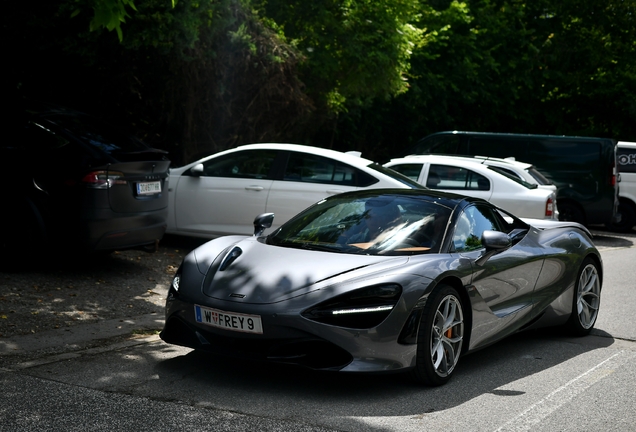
(74, 336)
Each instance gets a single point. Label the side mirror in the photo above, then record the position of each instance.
(262, 222)
(197, 170)
(494, 242)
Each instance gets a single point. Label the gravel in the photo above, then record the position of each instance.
(64, 292)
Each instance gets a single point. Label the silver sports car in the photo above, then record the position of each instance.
(384, 280)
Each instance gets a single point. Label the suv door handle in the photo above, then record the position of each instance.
(254, 188)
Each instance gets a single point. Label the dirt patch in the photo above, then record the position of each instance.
(62, 293)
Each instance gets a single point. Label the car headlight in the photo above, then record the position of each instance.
(173, 291)
(360, 309)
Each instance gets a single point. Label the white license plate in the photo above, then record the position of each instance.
(148, 188)
(228, 320)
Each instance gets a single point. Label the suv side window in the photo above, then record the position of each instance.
(455, 178)
(473, 221)
(254, 164)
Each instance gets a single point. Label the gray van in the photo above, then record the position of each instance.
(582, 168)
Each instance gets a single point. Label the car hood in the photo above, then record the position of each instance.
(249, 271)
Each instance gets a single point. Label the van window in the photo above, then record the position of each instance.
(559, 154)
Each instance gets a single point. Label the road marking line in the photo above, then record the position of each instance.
(562, 395)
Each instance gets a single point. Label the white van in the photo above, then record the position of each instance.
(626, 155)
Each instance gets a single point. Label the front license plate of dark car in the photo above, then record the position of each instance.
(228, 320)
(148, 188)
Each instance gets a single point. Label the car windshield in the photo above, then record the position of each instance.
(397, 176)
(370, 224)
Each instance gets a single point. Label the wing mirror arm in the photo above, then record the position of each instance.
(494, 242)
(262, 222)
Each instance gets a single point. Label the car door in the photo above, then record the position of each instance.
(226, 197)
(456, 179)
(306, 179)
(504, 283)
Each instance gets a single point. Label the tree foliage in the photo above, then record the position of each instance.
(199, 76)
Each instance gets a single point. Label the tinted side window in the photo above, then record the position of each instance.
(254, 164)
(412, 171)
(455, 178)
(471, 225)
(304, 167)
(626, 159)
(567, 155)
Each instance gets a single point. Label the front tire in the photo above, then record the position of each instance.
(440, 337)
(587, 299)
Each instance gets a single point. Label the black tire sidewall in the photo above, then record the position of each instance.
(424, 370)
(574, 323)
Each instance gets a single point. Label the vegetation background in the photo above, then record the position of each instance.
(198, 76)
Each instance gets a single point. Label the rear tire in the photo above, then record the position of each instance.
(586, 299)
(571, 212)
(440, 337)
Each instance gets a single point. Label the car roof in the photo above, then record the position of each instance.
(447, 199)
(627, 144)
(351, 158)
(484, 160)
(459, 161)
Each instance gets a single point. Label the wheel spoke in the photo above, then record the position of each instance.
(447, 335)
(588, 296)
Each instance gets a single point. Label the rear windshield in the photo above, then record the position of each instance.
(98, 134)
(397, 176)
(514, 178)
(540, 178)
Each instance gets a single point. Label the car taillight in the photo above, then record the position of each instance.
(103, 179)
(549, 207)
(613, 176)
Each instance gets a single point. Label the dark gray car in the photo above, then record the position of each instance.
(76, 183)
(384, 280)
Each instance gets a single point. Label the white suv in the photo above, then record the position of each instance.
(626, 154)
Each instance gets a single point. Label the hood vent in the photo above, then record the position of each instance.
(230, 258)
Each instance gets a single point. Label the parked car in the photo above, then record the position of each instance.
(626, 152)
(219, 194)
(582, 168)
(80, 184)
(512, 167)
(472, 178)
(409, 280)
